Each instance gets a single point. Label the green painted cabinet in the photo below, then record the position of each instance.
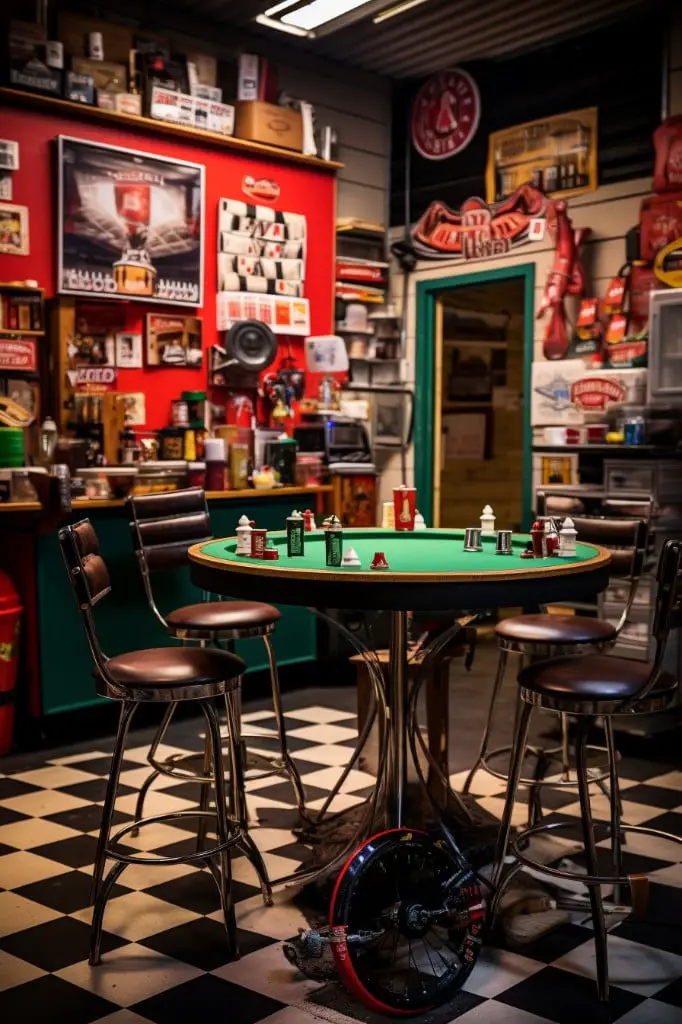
(124, 619)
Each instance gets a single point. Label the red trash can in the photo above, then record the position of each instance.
(10, 617)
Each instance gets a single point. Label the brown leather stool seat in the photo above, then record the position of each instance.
(593, 678)
(219, 616)
(556, 629)
(174, 666)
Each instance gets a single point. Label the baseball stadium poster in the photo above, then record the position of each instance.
(557, 154)
(130, 225)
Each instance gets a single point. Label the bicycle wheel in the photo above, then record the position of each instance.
(405, 922)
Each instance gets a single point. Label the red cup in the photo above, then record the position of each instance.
(405, 507)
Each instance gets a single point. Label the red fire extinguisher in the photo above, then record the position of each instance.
(10, 617)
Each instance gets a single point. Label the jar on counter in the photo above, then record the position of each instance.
(216, 475)
(196, 474)
(172, 443)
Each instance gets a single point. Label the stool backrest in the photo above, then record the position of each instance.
(164, 527)
(668, 611)
(88, 575)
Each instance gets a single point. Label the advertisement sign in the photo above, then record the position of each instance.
(479, 230)
(557, 154)
(562, 393)
(129, 224)
(20, 354)
(445, 114)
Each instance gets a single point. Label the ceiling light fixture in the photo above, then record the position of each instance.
(397, 9)
(303, 17)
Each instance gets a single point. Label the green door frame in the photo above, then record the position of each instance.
(424, 397)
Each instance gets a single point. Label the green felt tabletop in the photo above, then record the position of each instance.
(424, 551)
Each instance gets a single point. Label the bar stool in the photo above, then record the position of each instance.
(540, 636)
(591, 686)
(164, 527)
(157, 675)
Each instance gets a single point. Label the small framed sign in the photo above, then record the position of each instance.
(13, 229)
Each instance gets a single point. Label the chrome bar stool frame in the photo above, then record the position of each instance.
(629, 564)
(162, 542)
(653, 690)
(89, 578)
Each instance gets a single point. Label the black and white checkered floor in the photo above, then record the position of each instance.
(164, 944)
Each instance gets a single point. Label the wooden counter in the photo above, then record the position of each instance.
(248, 494)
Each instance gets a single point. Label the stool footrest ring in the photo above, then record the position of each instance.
(597, 773)
(571, 876)
(127, 858)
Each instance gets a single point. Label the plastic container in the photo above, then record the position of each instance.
(11, 447)
(216, 475)
(159, 477)
(10, 620)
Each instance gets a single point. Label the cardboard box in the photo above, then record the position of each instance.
(106, 100)
(164, 104)
(220, 118)
(79, 88)
(269, 124)
(128, 103)
(107, 74)
(74, 29)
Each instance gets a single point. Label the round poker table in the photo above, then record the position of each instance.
(428, 571)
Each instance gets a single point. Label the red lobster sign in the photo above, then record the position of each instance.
(479, 230)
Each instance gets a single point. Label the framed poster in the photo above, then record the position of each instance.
(130, 224)
(13, 229)
(557, 154)
(128, 351)
(174, 341)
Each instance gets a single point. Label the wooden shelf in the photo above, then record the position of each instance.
(8, 332)
(248, 493)
(7, 286)
(53, 104)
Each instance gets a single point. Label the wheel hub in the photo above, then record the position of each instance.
(413, 920)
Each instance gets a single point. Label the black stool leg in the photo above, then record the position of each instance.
(239, 809)
(204, 795)
(616, 808)
(593, 889)
(515, 769)
(222, 829)
(501, 667)
(127, 710)
(287, 762)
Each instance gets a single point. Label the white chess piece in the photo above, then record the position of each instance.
(567, 538)
(487, 522)
(244, 536)
(350, 557)
(419, 521)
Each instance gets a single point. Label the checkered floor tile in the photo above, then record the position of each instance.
(165, 957)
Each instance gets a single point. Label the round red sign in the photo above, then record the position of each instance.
(445, 114)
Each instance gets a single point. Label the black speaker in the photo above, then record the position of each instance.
(252, 344)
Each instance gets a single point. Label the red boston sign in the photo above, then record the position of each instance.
(445, 114)
(18, 355)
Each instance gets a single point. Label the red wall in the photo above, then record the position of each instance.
(302, 190)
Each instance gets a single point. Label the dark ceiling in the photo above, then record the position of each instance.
(434, 35)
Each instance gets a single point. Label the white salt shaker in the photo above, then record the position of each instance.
(567, 537)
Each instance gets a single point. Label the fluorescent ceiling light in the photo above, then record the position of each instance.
(309, 16)
(397, 9)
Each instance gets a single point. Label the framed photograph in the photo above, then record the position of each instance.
(174, 341)
(130, 224)
(13, 229)
(388, 420)
(129, 351)
(135, 408)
